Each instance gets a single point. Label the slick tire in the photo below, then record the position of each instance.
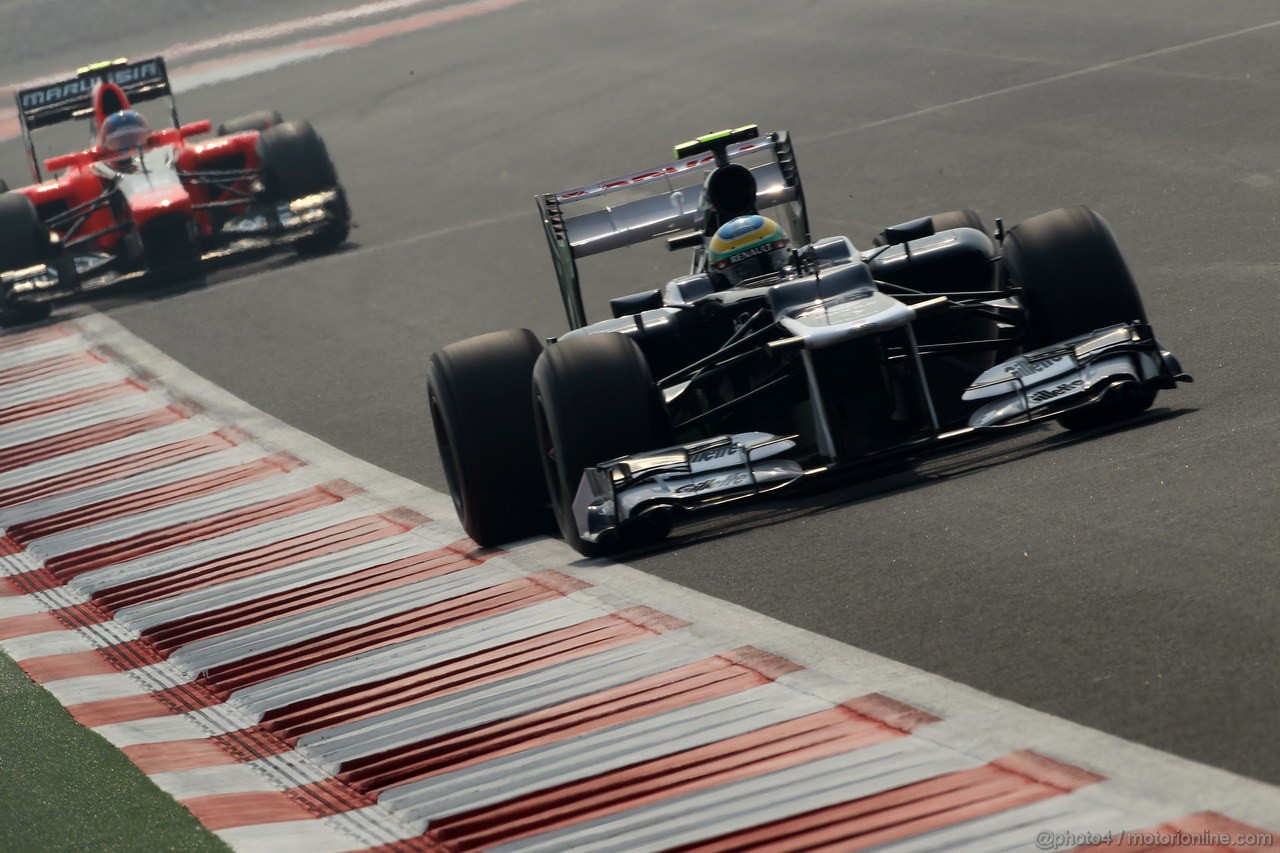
(594, 400)
(1073, 280)
(24, 242)
(295, 163)
(261, 120)
(945, 222)
(480, 395)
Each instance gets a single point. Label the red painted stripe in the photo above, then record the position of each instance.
(53, 620)
(8, 548)
(227, 811)
(70, 400)
(68, 566)
(49, 367)
(153, 498)
(509, 660)
(390, 630)
(36, 580)
(891, 712)
(28, 624)
(1203, 832)
(363, 36)
(1047, 771)
(90, 436)
(179, 755)
(769, 749)
(105, 712)
(245, 564)
(71, 665)
(124, 466)
(312, 597)
(22, 340)
(243, 746)
(677, 688)
(910, 810)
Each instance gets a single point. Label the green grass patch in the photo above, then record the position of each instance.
(62, 787)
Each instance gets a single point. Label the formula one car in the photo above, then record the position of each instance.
(139, 202)
(778, 359)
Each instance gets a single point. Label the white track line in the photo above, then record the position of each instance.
(1046, 81)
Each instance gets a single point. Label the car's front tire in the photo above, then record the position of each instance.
(594, 400)
(1072, 279)
(24, 242)
(480, 394)
(294, 163)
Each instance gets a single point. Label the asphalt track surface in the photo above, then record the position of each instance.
(1126, 581)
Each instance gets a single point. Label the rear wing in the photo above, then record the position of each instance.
(64, 100)
(663, 201)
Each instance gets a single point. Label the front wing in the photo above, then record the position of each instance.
(262, 228)
(272, 224)
(1027, 389)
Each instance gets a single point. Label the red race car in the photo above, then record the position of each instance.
(154, 203)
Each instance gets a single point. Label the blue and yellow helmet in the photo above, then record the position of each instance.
(747, 247)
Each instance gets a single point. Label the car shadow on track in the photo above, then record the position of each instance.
(825, 496)
(213, 275)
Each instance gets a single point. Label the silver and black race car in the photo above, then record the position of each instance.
(714, 388)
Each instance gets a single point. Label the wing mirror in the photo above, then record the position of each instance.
(907, 231)
(195, 128)
(625, 306)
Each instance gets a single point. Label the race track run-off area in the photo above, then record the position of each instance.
(308, 654)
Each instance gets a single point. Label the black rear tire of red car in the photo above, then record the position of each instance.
(260, 120)
(24, 242)
(594, 400)
(1073, 280)
(295, 163)
(480, 393)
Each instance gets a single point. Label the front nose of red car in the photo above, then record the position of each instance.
(162, 211)
(160, 200)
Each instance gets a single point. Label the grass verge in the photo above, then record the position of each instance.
(63, 787)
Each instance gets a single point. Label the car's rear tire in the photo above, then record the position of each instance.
(594, 400)
(1072, 280)
(295, 163)
(24, 242)
(260, 120)
(480, 394)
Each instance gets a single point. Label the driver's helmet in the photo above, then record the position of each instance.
(124, 131)
(745, 248)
